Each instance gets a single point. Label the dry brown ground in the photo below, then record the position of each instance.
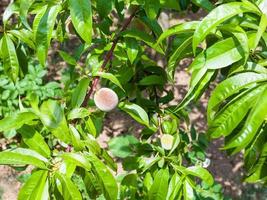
(226, 170)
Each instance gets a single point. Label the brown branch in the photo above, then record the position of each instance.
(108, 57)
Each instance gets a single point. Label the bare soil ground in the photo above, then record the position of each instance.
(226, 170)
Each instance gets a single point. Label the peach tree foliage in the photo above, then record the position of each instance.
(105, 42)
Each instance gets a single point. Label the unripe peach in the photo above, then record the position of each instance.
(166, 141)
(106, 99)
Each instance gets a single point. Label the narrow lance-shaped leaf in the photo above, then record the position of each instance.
(215, 56)
(196, 171)
(180, 28)
(199, 82)
(152, 80)
(188, 192)
(78, 159)
(23, 12)
(43, 26)
(258, 172)
(151, 8)
(36, 188)
(68, 58)
(10, 60)
(159, 189)
(52, 116)
(206, 4)
(228, 118)
(176, 56)
(142, 36)
(253, 123)
(132, 49)
(249, 66)
(104, 7)
(175, 185)
(242, 38)
(231, 86)
(16, 121)
(79, 93)
(22, 156)
(204, 66)
(12, 8)
(110, 77)
(136, 112)
(25, 36)
(219, 15)
(81, 16)
(261, 30)
(106, 179)
(34, 140)
(69, 189)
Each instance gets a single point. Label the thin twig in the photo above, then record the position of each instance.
(108, 57)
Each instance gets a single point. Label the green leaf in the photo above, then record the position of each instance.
(104, 7)
(231, 86)
(240, 35)
(152, 162)
(152, 8)
(204, 64)
(52, 116)
(258, 171)
(249, 66)
(122, 146)
(175, 57)
(12, 8)
(206, 4)
(77, 113)
(69, 190)
(34, 140)
(170, 4)
(132, 49)
(25, 36)
(109, 160)
(110, 77)
(257, 116)
(199, 82)
(23, 11)
(136, 112)
(106, 179)
(233, 113)
(10, 60)
(77, 159)
(201, 173)
(188, 190)
(196, 171)
(81, 16)
(159, 189)
(43, 26)
(175, 185)
(36, 188)
(152, 24)
(219, 15)
(79, 93)
(142, 36)
(152, 80)
(215, 56)
(261, 30)
(67, 58)
(22, 156)
(178, 29)
(16, 121)
(76, 141)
